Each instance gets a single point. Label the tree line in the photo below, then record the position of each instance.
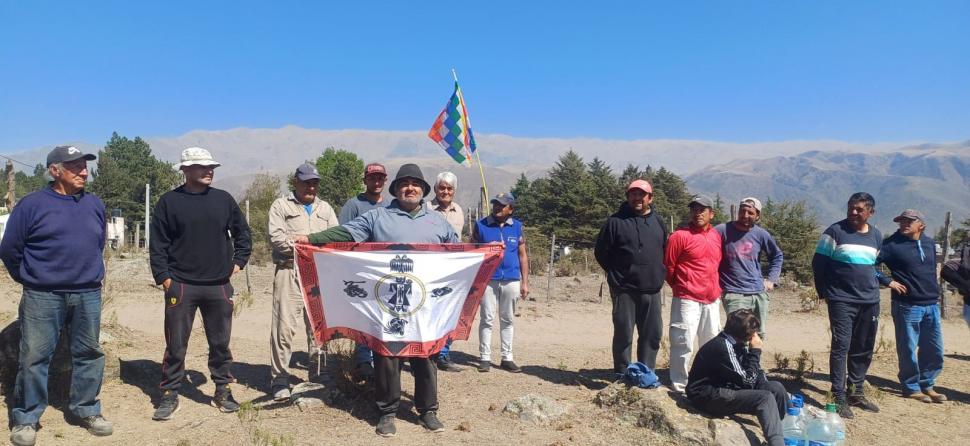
(572, 200)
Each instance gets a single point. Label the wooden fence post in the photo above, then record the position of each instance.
(946, 250)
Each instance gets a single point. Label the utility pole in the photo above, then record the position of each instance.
(249, 286)
(946, 249)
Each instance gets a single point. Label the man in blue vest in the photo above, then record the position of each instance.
(510, 281)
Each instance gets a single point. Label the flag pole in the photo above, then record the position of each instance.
(481, 170)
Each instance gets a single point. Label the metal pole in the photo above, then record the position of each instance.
(249, 286)
(946, 250)
(551, 272)
(148, 193)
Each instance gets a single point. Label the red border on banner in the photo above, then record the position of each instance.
(322, 333)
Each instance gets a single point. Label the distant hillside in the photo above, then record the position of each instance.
(246, 151)
(931, 178)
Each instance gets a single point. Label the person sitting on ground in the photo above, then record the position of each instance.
(726, 377)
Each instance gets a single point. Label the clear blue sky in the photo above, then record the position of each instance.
(729, 71)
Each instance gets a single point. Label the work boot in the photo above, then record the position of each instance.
(167, 406)
(224, 401)
(23, 435)
(97, 425)
(385, 427)
(938, 398)
(430, 421)
(918, 397)
(484, 366)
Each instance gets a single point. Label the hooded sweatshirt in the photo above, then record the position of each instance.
(630, 249)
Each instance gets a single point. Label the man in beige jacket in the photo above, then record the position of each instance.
(298, 213)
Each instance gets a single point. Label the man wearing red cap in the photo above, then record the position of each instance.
(374, 178)
(630, 249)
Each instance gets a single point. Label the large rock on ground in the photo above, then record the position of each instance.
(537, 409)
(654, 409)
(59, 374)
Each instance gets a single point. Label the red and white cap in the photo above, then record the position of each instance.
(640, 184)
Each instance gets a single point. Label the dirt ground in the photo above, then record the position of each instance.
(562, 344)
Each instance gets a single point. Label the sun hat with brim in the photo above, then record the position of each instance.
(66, 154)
(196, 156)
(910, 214)
(410, 171)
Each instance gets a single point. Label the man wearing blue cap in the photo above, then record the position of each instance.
(52, 246)
(509, 282)
(300, 212)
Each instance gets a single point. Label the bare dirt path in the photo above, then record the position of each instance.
(562, 344)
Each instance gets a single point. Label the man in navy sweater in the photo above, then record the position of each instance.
(911, 256)
(845, 276)
(200, 239)
(52, 246)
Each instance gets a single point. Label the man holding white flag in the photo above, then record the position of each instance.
(404, 220)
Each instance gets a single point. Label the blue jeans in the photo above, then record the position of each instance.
(42, 315)
(919, 345)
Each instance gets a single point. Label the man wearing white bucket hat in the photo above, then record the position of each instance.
(200, 238)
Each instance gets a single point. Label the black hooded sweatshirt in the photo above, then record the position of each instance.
(630, 248)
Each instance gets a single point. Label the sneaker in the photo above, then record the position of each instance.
(863, 403)
(445, 365)
(510, 367)
(97, 425)
(430, 421)
(484, 366)
(224, 401)
(23, 435)
(918, 397)
(167, 407)
(385, 427)
(281, 393)
(938, 398)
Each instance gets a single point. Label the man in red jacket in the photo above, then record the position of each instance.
(692, 258)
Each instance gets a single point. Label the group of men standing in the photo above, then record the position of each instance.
(705, 264)
(55, 237)
(701, 263)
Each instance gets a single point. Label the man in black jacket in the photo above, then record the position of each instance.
(200, 238)
(630, 248)
(726, 377)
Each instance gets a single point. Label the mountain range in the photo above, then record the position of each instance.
(823, 173)
(934, 178)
